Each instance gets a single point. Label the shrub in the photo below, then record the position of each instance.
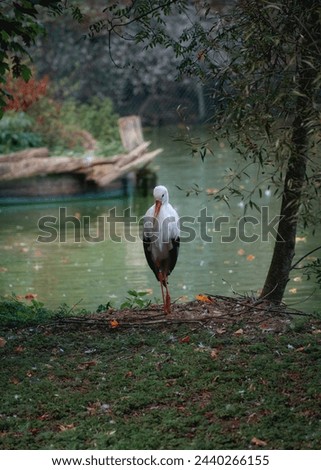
(17, 132)
(66, 126)
(40, 120)
(96, 117)
(56, 135)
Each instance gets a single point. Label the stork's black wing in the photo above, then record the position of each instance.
(148, 255)
(173, 254)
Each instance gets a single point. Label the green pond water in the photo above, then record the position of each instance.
(92, 252)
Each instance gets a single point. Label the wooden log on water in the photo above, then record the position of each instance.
(104, 178)
(37, 166)
(102, 174)
(102, 171)
(40, 152)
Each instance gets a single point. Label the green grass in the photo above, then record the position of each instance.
(80, 387)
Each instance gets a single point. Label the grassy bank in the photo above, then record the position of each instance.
(88, 385)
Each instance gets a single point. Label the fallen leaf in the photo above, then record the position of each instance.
(204, 298)
(44, 417)
(258, 442)
(186, 339)
(93, 408)
(3, 342)
(31, 296)
(250, 257)
(316, 332)
(241, 252)
(65, 427)
(300, 239)
(297, 279)
(302, 348)
(171, 382)
(3, 269)
(239, 332)
(200, 55)
(14, 381)
(211, 191)
(252, 418)
(86, 365)
(34, 431)
(114, 323)
(220, 331)
(293, 290)
(19, 349)
(214, 353)
(129, 374)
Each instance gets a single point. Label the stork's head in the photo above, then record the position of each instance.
(161, 197)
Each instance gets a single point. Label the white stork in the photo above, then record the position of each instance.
(161, 240)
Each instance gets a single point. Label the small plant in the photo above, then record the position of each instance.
(14, 312)
(299, 324)
(136, 299)
(104, 307)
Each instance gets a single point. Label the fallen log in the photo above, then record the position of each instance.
(98, 170)
(40, 152)
(107, 175)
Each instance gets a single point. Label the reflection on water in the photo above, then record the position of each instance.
(93, 252)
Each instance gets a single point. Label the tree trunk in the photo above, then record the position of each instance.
(278, 274)
(280, 267)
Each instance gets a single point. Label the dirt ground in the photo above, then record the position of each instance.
(218, 313)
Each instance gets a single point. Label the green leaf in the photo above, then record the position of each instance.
(133, 293)
(25, 72)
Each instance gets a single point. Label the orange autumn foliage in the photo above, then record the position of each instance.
(24, 94)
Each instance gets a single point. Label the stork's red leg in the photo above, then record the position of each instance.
(167, 305)
(163, 295)
(166, 299)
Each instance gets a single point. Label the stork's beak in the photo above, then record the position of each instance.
(158, 205)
